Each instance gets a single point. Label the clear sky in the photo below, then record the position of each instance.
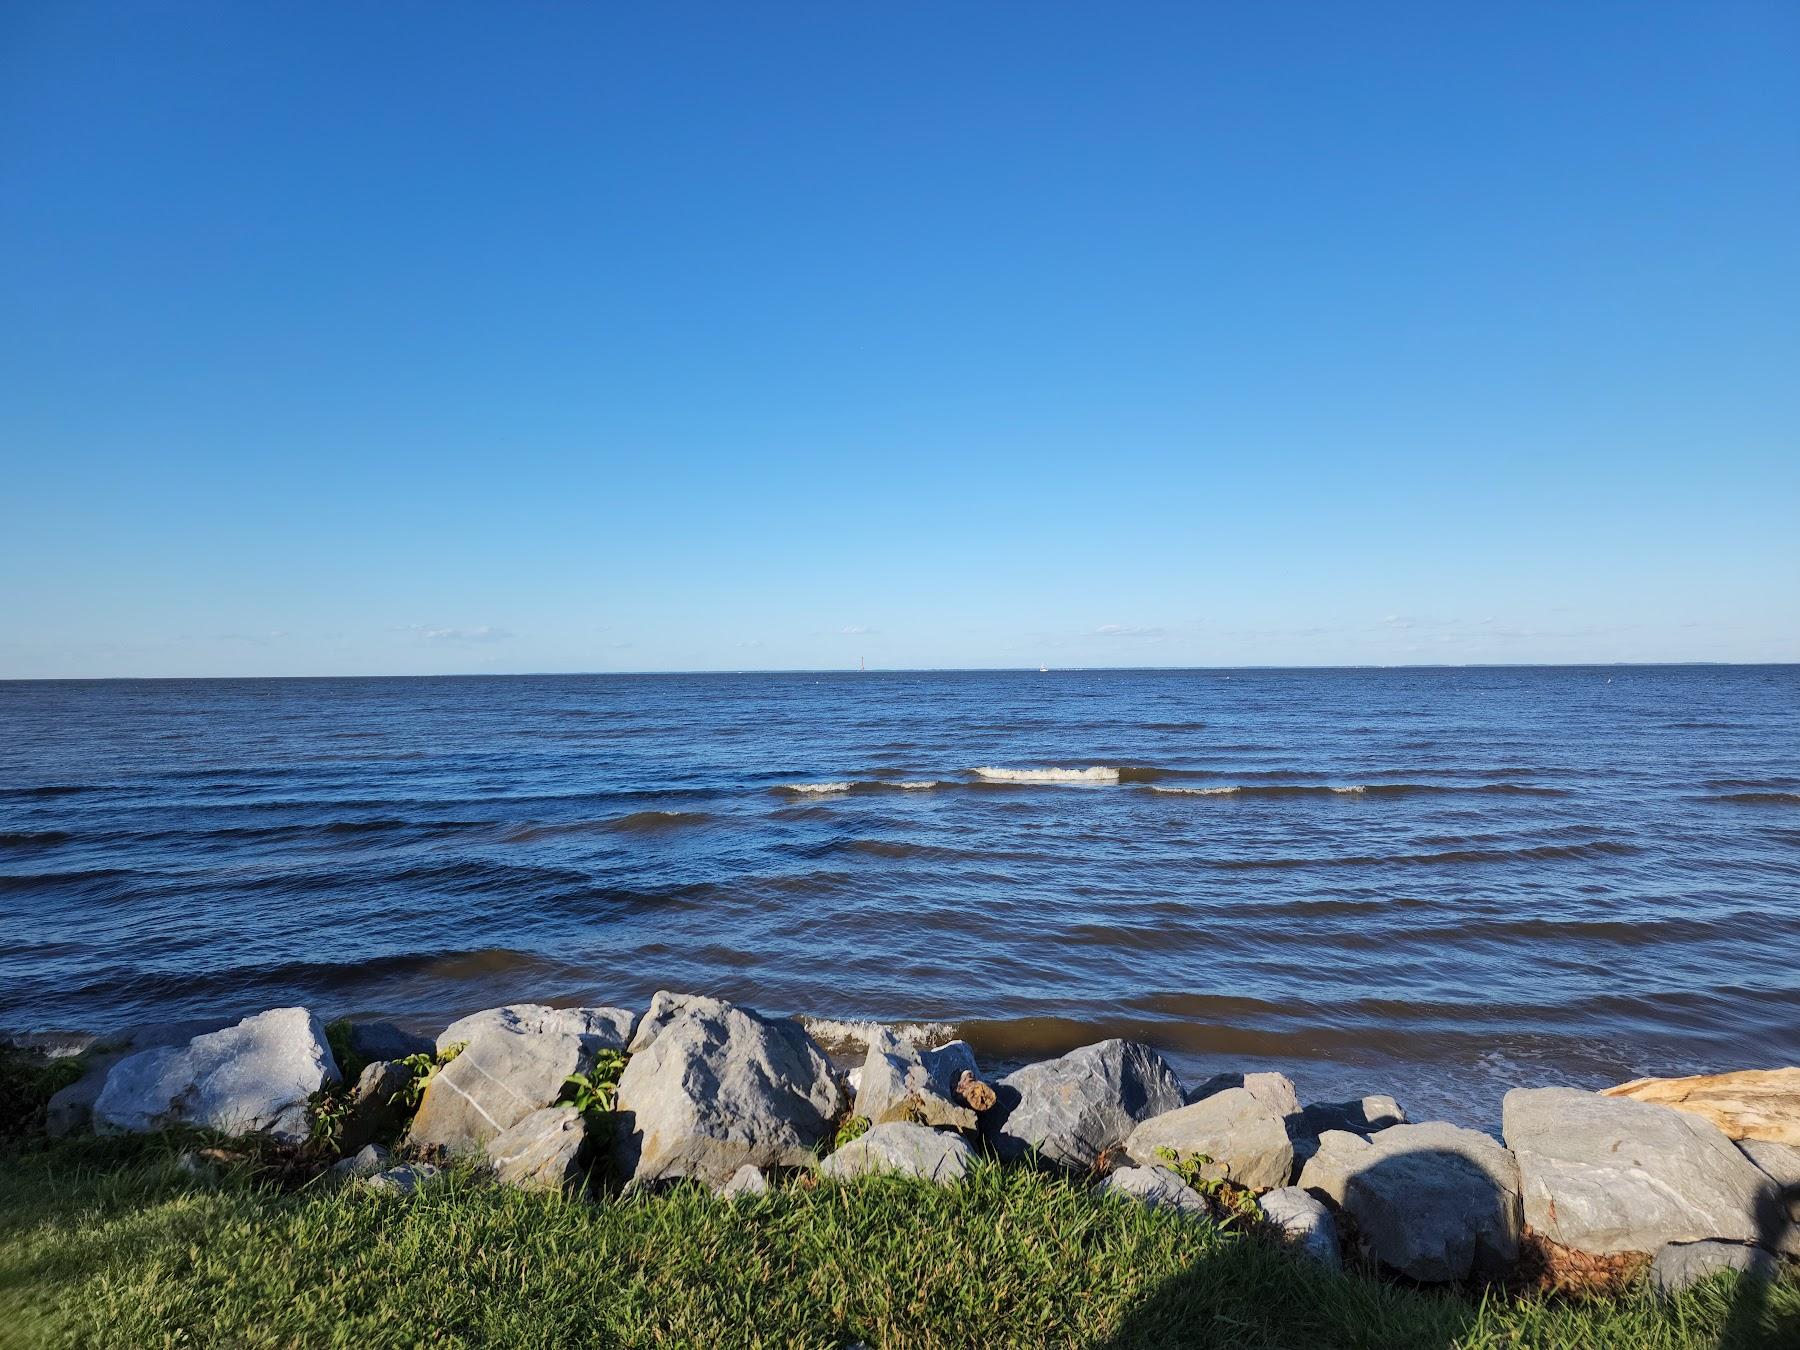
(347, 338)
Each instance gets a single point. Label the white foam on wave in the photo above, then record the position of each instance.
(843, 1035)
(917, 784)
(1098, 773)
(816, 789)
(1266, 790)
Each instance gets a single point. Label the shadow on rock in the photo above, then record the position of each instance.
(1777, 1229)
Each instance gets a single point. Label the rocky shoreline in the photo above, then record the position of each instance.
(1674, 1178)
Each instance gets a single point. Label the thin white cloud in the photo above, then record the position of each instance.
(855, 630)
(483, 633)
(1127, 630)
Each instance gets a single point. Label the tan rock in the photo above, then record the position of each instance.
(1746, 1104)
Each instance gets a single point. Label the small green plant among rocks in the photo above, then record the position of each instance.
(594, 1092)
(1228, 1201)
(853, 1128)
(424, 1066)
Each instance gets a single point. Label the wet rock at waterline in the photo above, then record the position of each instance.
(546, 1151)
(1072, 1109)
(900, 1082)
(1433, 1202)
(903, 1149)
(254, 1077)
(1608, 1174)
(514, 1061)
(1242, 1135)
(1304, 1223)
(711, 1087)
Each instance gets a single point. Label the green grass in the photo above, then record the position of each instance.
(111, 1244)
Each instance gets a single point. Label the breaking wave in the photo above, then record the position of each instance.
(1098, 773)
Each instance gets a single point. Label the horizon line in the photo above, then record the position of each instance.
(898, 670)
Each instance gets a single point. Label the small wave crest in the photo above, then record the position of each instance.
(1761, 798)
(816, 789)
(638, 822)
(1096, 773)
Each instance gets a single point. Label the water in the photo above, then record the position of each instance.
(1436, 882)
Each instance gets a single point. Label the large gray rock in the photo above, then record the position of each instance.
(377, 1106)
(514, 1062)
(1304, 1223)
(1778, 1207)
(1779, 1162)
(598, 1028)
(1274, 1090)
(1609, 1174)
(905, 1150)
(1682, 1265)
(71, 1110)
(252, 1078)
(546, 1151)
(712, 1086)
(1073, 1109)
(901, 1082)
(1244, 1138)
(1433, 1202)
(1155, 1187)
(1364, 1115)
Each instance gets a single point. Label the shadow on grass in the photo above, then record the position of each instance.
(1211, 1305)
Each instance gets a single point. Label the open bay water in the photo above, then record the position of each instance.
(1436, 882)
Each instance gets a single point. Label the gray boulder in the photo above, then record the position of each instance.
(1609, 1174)
(1433, 1202)
(1155, 1187)
(365, 1162)
(747, 1180)
(1304, 1223)
(711, 1087)
(1365, 1115)
(1274, 1090)
(1073, 1109)
(377, 1108)
(545, 1151)
(404, 1180)
(1682, 1265)
(598, 1028)
(901, 1082)
(1244, 1137)
(514, 1062)
(71, 1110)
(1778, 1206)
(903, 1149)
(1779, 1162)
(252, 1078)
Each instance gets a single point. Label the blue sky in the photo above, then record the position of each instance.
(443, 337)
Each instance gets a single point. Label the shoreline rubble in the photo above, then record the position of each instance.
(1673, 1179)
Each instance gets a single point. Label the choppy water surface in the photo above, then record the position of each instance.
(1439, 882)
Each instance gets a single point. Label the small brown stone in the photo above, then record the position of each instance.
(973, 1093)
